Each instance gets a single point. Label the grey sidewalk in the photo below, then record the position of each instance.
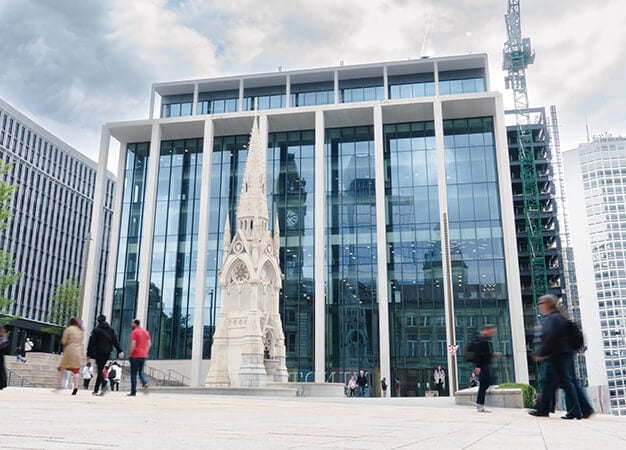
(38, 418)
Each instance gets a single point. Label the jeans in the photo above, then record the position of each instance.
(361, 391)
(560, 373)
(484, 380)
(136, 367)
(585, 406)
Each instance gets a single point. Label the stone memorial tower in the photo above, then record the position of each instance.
(249, 344)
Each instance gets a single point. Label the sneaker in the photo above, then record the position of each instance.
(130, 395)
(588, 414)
(75, 391)
(145, 388)
(482, 410)
(536, 413)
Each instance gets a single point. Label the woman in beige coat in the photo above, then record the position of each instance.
(72, 341)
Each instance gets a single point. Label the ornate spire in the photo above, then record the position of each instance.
(253, 195)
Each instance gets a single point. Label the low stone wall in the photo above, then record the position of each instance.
(498, 398)
(316, 389)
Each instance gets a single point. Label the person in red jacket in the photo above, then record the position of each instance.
(139, 347)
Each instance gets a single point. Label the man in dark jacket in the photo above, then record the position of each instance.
(101, 342)
(483, 353)
(361, 381)
(557, 358)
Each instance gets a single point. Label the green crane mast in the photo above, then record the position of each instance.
(516, 58)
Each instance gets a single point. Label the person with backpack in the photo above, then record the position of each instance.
(481, 353)
(101, 343)
(556, 352)
(115, 376)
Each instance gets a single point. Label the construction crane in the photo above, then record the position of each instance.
(517, 55)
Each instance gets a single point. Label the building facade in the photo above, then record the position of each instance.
(390, 183)
(551, 233)
(595, 175)
(47, 234)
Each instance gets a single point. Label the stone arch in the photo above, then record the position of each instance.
(268, 344)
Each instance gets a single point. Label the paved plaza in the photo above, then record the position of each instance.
(41, 419)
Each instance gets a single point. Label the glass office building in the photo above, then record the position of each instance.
(390, 184)
(48, 232)
(595, 175)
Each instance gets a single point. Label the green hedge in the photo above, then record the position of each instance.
(528, 392)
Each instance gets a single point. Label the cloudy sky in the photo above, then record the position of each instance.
(72, 65)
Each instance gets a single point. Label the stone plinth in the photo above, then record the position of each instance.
(498, 398)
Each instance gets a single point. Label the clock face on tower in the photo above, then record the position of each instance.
(291, 219)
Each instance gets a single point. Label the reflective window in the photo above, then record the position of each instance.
(174, 258)
(176, 105)
(413, 85)
(361, 90)
(475, 229)
(127, 266)
(414, 262)
(271, 97)
(311, 94)
(461, 81)
(351, 255)
(291, 187)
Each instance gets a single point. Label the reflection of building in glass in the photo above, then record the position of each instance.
(392, 193)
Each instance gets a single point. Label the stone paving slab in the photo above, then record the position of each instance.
(41, 419)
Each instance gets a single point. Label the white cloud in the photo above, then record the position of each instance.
(75, 65)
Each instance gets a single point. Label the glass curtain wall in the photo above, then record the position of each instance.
(291, 187)
(128, 253)
(417, 329)
(227, 166)
(476, 245)
(174, 257)
(352, 334)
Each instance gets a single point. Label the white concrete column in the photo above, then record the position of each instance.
(194, 105)
(151, 113)
(436, 69)
(382, 292)
(320, 246)
(509, 237)
(288, 91)
(385, 86)
(445, 245)
(97, 216)
(240, 95)
(147, 235)
(336, 86)
(116, 222)
(197, 346)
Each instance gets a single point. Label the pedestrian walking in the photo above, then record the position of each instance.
(139, 347)
(557, 357)
(439, 376)
(473, 380)
(398, 387)
(87, 375)
(483, 354)
(72, 341)
(352, 386)
(28, 345)
(114, 376)
(101, 343)
(383, 386)
(361, 381)
(4, 346)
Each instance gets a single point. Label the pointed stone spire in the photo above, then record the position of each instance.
(276, 233)
(253, 195)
